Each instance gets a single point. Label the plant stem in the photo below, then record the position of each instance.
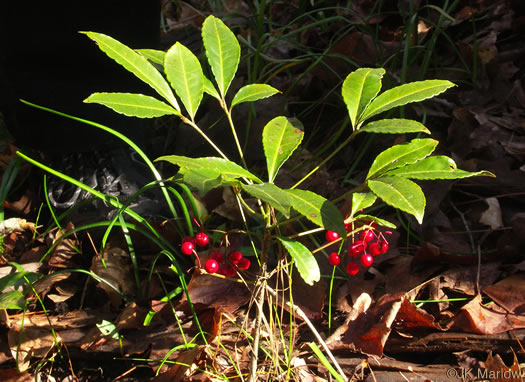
(198, 130)
(235, 137)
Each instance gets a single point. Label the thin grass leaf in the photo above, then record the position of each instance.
(435, 167)
(224, 167)
(280, 139)
(325, 362)
(253, 92)
(317, 209)
(401, 155)
(404, 94)
(400, 193)
(222, 50)
(304, 260)
(132, 105)
(135, 63)
(359, 89)
(394, 126)
(184, 72)
(271, 194)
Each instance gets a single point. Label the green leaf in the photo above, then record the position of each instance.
(210, 89)
(382, 222)
(435, 167)
(394, 126)
(401, 155)
(253, 92)
(280, 139)
(403, 94)
(225, 168)
(184, 72)
(135, 63)
(12, 300)
(154, 55)
(400, 193)
(108, 328)
(317, 209)
(222, 50)
(304, 260)
(133, 105)
(360, 201)
(203, 179)
(359, 89)
(270, 194)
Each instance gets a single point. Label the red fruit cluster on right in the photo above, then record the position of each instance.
(369, 245)
(227, 266)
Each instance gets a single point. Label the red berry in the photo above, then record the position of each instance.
(201, 239)
(349, 226)
(334, 259)
(352, 269)
(357, 248)
(243, 264)
(235, 257)
(384, 246)
(366, 259)
(367, 236)
(227, 270)
(375, 248)
(187, 247)
(217, 256)
(331, 236)
(211, 266)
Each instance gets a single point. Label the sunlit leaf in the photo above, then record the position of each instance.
(184, 72)
(404, 94)
(317, 209)
(280, 139)
(400, 193)
(394, 126)
(133, 105)
(210, 89)
(135, 63)
(379, 221)
(435, 167)
(202, 179)
(361, 200)
(154, 55)
(401, 155)
(304, 260)
(253, 92)
(222, 50)
(12, 300)
(270, 194)
(359, 89)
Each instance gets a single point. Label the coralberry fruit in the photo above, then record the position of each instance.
(187, 247)
(366, 259)
(367, 236)
(375, 248)
(235, 257)
(384, 246)
(357, 248)
(334, 259)
(211, 266)
(217, 256)
(352, 269)
(227, 270)
(201, 239)
(243, 264)
(331, 236)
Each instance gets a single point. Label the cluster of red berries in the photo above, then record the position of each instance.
(216, 263)
(370, 244)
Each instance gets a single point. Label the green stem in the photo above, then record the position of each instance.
(206, 138)
(235, 137)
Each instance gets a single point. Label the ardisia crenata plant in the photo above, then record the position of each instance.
(390, 177)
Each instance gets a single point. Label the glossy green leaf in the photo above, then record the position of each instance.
(133, 105)
(271, 194)
(435, 167)
(253, 92)
(136, 64)
(224, 167)
(359, 89)
(210, 89)
(12, 300)
(222, 50)
(280, 139)
(404, 94)
(202, 179)
(401, 155)
(361, 200)
(381, 222)
(317, 209)
(108, 328)
(400, 193)
(154, 55)
(304, 260)
(394, 126)
(184, 72)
